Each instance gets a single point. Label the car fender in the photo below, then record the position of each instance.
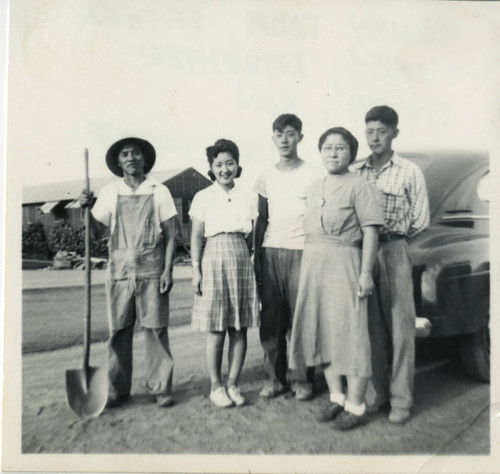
(451, 279)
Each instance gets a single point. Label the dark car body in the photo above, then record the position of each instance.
(451, 258)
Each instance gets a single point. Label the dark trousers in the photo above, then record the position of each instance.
(280, 282)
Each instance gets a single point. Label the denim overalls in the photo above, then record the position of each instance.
(136, 262)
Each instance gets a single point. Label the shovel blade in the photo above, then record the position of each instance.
(87, 391)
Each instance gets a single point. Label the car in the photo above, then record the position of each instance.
(451, 263)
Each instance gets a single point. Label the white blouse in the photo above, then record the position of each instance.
(225, 211)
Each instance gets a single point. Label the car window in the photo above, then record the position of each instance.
(483, 188)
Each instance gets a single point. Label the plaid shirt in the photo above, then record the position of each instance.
(403, 194)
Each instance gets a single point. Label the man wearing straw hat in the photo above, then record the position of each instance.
(138, 214)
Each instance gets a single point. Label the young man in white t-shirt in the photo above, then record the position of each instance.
(279, 241)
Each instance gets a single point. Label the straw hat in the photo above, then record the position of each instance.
(147, 150)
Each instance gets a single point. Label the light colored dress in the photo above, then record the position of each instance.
(330, 321)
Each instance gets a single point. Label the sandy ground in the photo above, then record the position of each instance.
(450, 416)
(280, 426)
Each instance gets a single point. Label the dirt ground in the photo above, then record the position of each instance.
(279, 426)
(450, 416)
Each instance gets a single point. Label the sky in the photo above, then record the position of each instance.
(85, 73)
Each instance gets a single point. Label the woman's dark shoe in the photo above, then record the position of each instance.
(347, 421)
(329, 412)
(374, 409)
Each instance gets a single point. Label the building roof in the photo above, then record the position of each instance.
(70, 190)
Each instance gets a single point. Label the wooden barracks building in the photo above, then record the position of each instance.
(48, 203)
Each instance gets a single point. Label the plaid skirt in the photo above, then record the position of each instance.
(229, 291)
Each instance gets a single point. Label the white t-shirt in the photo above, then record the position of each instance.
(105, 207)
(225, 211)
(285, 191)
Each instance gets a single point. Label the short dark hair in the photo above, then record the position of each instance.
(348, 137)
(383, 113)
(287, 119)
(220, 146)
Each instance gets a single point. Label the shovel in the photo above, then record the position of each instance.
(87, 388)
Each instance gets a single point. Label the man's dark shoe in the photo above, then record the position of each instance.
(329, 412)
(115, 402)
(399, 416)
(303, 392)
(347, 421)
(272, 390)
(164, 400)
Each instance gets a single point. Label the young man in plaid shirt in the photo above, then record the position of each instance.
(392, 312)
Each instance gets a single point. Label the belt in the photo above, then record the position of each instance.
(390, 236)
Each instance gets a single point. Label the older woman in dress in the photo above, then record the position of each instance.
(341, 224)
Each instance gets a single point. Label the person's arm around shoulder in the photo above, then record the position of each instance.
(419, 202)
(197, 232)
(97, 228)
(166, 278)
(249, 238)
(260, 229)
(253, 211)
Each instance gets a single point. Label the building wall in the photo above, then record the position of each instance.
(32, 213)
(183, 187)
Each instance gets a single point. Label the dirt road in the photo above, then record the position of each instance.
(53, 307)
(53, 317)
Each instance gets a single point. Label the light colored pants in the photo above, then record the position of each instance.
(159, 362)
(391, 316)
(136, 300)
(280, 284)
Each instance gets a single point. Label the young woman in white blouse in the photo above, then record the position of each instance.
(224, 284)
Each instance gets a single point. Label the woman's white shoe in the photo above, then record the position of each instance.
(235, 395)
(220, 398)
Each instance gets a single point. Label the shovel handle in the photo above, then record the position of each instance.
(86, 334)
